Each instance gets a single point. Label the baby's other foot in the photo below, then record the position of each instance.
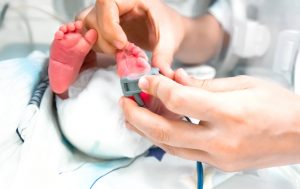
(67, 54)
(132, 61)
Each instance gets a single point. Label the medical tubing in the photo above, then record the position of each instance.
(200, 175)
(23, 16)
(20, 8)
(3, 14)
(24, 6)
(199, 166)
(32, 108)
(39, 92)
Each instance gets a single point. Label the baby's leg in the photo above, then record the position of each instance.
(68, 51)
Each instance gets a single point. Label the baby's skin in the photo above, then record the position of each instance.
(69, 51)
(132, 62)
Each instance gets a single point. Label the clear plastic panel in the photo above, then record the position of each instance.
(266, 39)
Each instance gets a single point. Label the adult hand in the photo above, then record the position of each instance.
(149, 24)
(246, 122)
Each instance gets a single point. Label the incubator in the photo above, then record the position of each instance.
(12, 40)
(22, 27)
(69, 8)
(265, 38)
(189, 8)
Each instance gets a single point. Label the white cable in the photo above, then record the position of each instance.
(26, 22)
(22, 6)
(3, 13)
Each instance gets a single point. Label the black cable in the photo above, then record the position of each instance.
(56, 118)
(115, 169)
(57, 123)
(65, 140)
(3, 14)
(20, 136)
(188, 119)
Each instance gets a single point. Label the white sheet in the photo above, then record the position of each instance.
(44, 161)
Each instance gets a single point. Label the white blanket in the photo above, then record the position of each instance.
(45, 161)
(92, 120)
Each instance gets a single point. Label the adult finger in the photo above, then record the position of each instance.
(186, 153)
(83, 14)
(162, 58)
(165, 131)
(132, 128)
(108, 18)
(90, 22)
(213, 85)
(182, 100)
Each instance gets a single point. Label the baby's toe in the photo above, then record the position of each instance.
(71, 27)
(78, 25)
(130, 47)
(63, 28)
(59, 35)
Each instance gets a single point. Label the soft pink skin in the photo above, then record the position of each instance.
(132, 61)
(70, 49)
(67, 55)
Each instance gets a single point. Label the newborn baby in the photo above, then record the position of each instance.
(88, 108)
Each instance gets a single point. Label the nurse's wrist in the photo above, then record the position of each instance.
(202, 40)
(188, 29)
(183, 27)
(297, 114)
(189, 26)
(294, 129)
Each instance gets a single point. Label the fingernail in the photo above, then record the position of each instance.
(169, 73)
(183, 72)
(143, 83)
(119, 45)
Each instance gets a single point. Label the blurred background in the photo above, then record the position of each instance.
(264, 42)
(27, 25)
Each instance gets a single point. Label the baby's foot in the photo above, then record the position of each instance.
(132, 61)
(68, 52)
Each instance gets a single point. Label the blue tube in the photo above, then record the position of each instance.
(200, 175)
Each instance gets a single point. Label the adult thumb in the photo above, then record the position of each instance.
(163, 60)
(214, 85)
